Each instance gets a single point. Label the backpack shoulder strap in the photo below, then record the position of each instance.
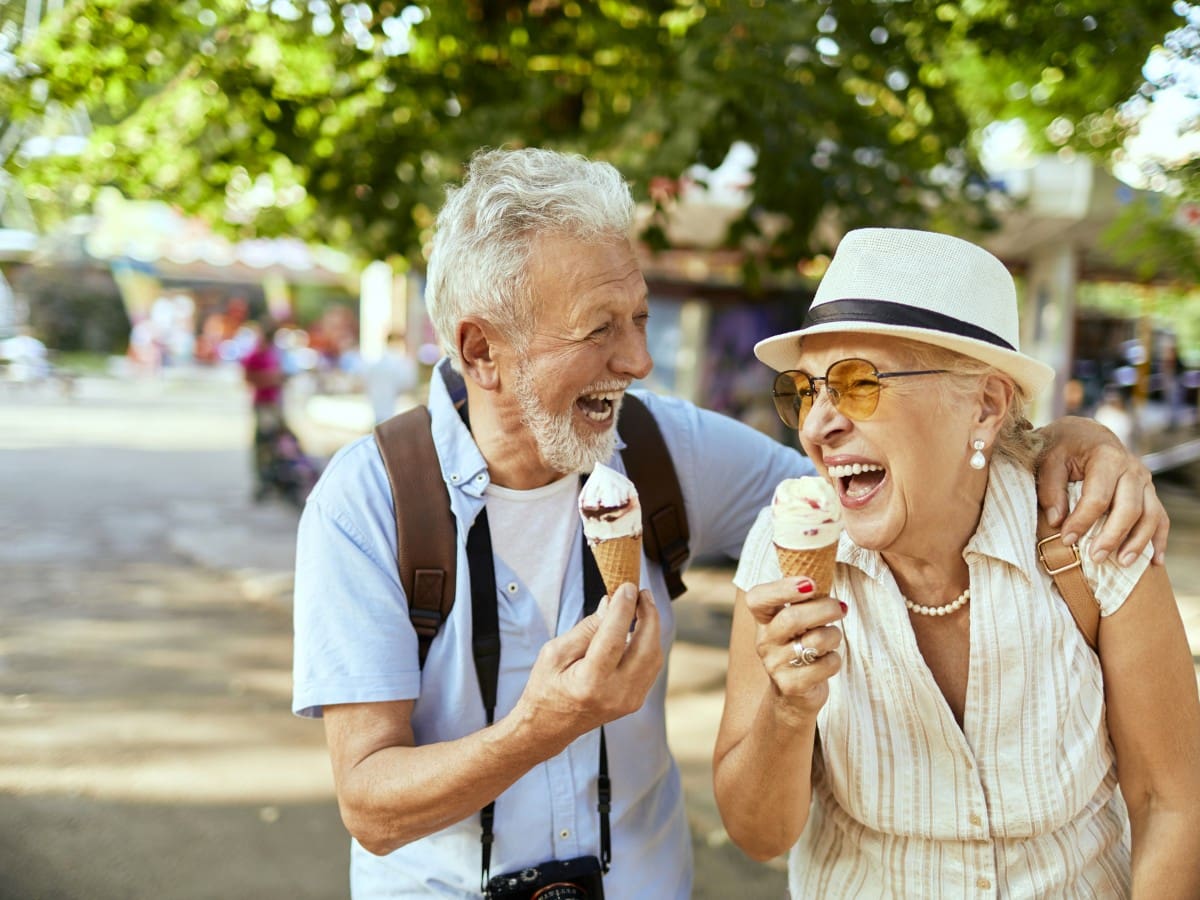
(664, 517)
(1063, 565)
(426, 536)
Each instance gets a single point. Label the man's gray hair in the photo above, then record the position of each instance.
(486, 232)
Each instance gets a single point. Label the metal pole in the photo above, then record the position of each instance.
(33, 15)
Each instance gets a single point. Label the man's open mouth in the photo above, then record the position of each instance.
(599, 406)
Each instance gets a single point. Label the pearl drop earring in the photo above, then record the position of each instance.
(977, 461)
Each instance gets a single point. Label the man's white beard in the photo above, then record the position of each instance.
(561, 445)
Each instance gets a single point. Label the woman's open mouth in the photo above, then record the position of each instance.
(856, 483)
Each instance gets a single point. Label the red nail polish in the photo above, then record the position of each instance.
(844, 607)
(805, 587)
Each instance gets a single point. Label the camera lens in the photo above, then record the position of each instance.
(561, 891)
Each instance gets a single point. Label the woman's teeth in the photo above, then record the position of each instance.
(855, 469)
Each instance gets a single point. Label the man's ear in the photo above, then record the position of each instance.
(996, 395)
(477, 345)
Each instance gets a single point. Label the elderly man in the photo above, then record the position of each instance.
(536, 293)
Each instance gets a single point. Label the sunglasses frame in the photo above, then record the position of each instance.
(801, 410)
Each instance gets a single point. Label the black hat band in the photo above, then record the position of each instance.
(884, 312)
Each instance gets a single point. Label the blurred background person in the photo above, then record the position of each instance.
(263, 371)
(1113, 414)
(393, 374)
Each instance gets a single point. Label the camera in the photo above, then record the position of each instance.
(572, 879)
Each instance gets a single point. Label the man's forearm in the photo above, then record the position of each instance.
(398, 795)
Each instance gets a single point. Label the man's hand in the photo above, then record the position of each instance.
(596, 672)
(1078, 448)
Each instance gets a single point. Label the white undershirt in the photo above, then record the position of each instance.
(551, 515)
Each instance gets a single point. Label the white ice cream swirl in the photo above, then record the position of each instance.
(806, 513)
(608, 505)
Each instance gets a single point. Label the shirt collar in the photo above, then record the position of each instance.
(1008, 525)
(463, 466)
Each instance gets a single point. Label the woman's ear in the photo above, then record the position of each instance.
(477, 344)
(995, 397)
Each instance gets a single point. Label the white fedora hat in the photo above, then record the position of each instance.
(919, 285)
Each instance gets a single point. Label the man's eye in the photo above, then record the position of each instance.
(601, 331)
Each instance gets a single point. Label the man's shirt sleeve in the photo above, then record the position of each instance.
(354, 642)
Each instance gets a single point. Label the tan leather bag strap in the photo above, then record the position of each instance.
(426, 535)
(1064, 566)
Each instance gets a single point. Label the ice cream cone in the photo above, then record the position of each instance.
(619, 560)
(817, 564)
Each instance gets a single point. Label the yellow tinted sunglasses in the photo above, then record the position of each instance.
(852, 385)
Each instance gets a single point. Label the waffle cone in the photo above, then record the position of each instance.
(816, 564)
(619, 561)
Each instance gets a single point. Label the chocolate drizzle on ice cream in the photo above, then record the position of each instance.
(612, 524)
(609, 506)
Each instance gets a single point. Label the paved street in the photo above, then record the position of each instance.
(146, 748)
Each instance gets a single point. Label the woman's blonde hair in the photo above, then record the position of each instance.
(1016, 439)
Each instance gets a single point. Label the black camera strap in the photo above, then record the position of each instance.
(485, 646)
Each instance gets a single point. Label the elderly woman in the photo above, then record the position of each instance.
(939, 726)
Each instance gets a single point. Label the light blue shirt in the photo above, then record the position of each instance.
(355, 644)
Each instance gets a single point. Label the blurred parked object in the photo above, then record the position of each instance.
(25, 362)
(25, 358)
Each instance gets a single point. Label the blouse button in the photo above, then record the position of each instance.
(564, 834)
(511, 587)
(456, 478)
(983, 884)
(975, 820)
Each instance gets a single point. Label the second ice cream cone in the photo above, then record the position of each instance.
(807, 521)
(619, 561)
(817, 564)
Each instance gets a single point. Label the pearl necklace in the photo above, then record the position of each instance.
(940, 610)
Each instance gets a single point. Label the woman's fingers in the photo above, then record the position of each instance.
(799, 618)
(767, 600)
(804, 649)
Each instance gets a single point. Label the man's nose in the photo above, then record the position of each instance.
(633, 356)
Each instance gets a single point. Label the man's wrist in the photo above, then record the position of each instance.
(522, 736)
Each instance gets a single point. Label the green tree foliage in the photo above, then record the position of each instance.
(1155, 238)
(343, 123)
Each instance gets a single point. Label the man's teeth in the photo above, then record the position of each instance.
(855, 469)
(604, 401)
